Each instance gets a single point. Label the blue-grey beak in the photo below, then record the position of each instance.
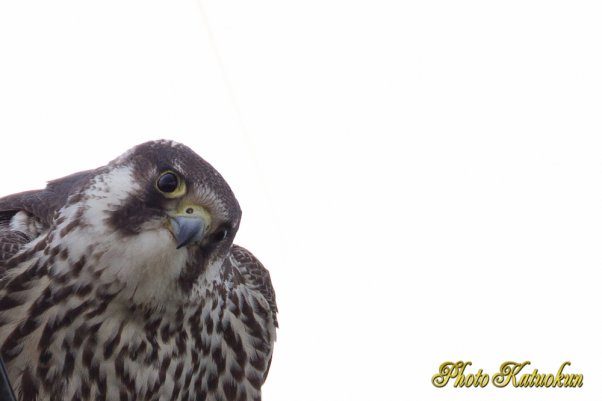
(188, 229)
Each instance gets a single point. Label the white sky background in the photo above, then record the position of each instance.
(423, 179)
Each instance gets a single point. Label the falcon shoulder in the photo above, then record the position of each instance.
(24, 216)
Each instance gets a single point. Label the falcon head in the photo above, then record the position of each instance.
(155, 224)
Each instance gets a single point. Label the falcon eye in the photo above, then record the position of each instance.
(170, 185)
(219, 235)
(167, 183)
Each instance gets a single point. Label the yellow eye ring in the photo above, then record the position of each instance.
(170, 185)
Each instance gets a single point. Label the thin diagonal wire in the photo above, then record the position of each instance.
(250, 146)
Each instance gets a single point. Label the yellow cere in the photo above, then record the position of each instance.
(191, 209)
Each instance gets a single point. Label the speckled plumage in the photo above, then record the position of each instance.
(97, 302)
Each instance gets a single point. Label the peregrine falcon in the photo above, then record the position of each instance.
(123, 283)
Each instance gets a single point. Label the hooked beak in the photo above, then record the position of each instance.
(187, 229)
(189, 224)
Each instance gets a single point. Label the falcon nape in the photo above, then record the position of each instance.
(123, 283)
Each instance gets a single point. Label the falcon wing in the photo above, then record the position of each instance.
(256, 276)
(35, 209)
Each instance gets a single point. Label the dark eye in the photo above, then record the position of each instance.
(219, 235)
(168, 182)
